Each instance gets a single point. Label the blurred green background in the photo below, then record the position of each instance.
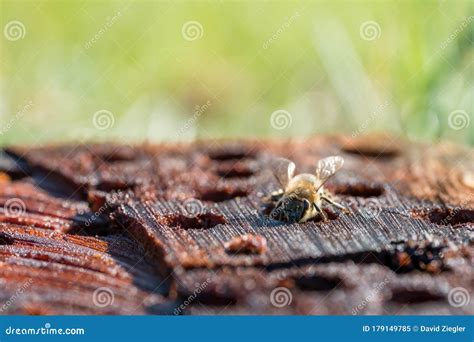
(144, 70)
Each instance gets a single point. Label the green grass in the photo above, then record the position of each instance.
(253, 58)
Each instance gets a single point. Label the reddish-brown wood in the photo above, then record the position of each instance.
(405, 246)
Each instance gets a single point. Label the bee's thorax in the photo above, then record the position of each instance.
(303, 186)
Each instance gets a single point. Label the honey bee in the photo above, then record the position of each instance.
(301, 197)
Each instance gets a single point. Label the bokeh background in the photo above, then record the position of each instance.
(145, 70)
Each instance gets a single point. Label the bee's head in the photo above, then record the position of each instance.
(290, 208)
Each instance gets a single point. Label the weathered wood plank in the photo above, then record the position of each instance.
(182, 203)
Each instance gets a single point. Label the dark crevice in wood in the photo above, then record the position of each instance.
(200, 221)
(402, 257)
(358, 189)
(14, 166)
(221, 195)
(57, 185)
(51, 181)
(116, 157)
(372, 153)
(232, 154)
(6, 239)
(446, 216)
(409, 296)
(114, 186)
(212, 294)
(91, 224)
(234, 173)
(213, 300)
(318, 283)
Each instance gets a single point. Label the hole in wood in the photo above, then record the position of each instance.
(318, 283)
(369, 152)
(231, 154)
(221, 195)
(58, 185)
(373, 146)
(216, 292)
(111, 185)
(200, 221)
(234, 171)
(117, 156)
(6, 239)
(413, 296)
(214, 297)
(407, 256)
(446, 216)
(357, 189)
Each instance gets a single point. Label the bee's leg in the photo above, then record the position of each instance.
(334, 203)
(320, 212)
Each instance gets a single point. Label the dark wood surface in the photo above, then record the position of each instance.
(403, 248)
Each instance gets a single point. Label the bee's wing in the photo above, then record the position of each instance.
(327, 167)
(283, 169)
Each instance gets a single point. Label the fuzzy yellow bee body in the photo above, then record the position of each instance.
(305, 186)
(301, 197)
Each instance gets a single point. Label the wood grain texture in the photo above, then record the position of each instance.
(410, 226)
(48, 264)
